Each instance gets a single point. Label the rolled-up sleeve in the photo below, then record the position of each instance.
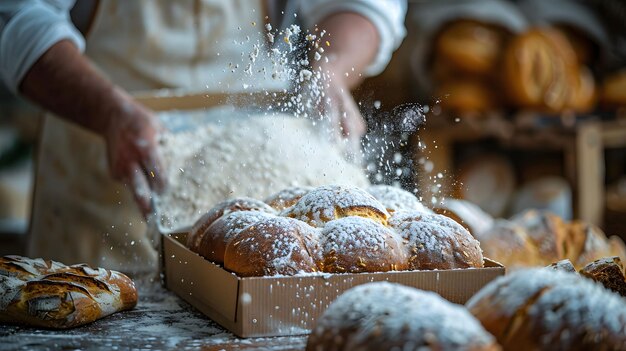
(28, 28)
(386, 15)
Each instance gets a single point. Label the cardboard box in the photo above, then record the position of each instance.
(273, 306)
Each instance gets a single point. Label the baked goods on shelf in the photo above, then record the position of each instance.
(469, 46)
(386, 316)
(49, 294)
(613, 91)
(333, 229)
(540, 69)
(544, 309)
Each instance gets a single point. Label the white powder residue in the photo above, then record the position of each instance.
(252, 158)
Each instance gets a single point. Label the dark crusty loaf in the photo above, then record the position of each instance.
(609, 272)
(544, 309)
(48, 294)
(386, 316)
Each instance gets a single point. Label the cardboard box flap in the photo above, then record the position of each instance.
(181, 275)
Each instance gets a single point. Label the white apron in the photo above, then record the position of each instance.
(80, 214)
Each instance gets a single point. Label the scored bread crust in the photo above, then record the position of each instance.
(48, 294)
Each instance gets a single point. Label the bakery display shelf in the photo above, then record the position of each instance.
(581, 140)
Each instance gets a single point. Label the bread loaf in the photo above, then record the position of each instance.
(334, 229)
(609, 272)
(509, 244)
(544, 309)
(386, 316)
(48, 294)
(540, 70)
(546, 230)
(470, 47)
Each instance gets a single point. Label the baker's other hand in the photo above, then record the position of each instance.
(131, 140)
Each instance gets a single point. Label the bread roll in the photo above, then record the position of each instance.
(213, 241)
(386, 316)
(273, 246)
(48, 294)
(436, 242)
(609, 272)
(396, 199)
(543, 309)
(287, 197)
(225, 207)
(357, 244)
(592, 241)
(509, 244)
(331, 202)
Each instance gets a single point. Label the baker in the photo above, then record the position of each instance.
(98, 162)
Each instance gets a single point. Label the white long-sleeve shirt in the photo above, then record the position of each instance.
(28, 28)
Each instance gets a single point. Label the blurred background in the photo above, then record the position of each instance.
(524, 105)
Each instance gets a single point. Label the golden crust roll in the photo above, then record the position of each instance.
(436, 242)
(356, 244)
(273, 246)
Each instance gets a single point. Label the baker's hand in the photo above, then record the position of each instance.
(131, 139)
(344, 114)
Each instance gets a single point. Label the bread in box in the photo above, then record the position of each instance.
(333, 229)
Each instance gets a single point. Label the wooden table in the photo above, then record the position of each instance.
(161, 321)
